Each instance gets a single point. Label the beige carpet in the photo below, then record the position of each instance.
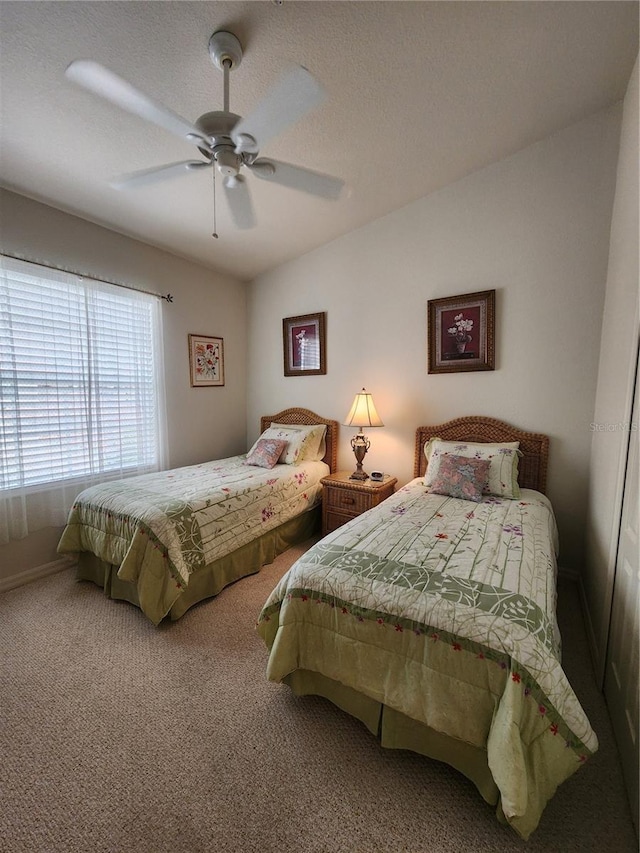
(118, 736)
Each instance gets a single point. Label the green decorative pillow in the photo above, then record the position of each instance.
(461, 477)
(503, 470)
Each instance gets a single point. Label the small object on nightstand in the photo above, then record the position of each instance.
(344, 498)
(378, 476)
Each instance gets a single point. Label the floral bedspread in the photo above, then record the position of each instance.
(444, 610)
(180, 520)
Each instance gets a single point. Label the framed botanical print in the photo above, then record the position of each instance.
(461, 333)
(206, 361)
(304, 345)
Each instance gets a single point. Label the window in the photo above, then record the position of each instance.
(79, 367)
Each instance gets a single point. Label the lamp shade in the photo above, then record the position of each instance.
(363, 412)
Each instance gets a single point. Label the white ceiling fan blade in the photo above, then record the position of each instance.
(99, 80)
(156, 174)
(294, 95)
(298, 178)
(239, 201)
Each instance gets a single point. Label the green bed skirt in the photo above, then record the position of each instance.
(210, 579)
(397, 731)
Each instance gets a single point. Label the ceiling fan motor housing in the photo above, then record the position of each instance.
(217, 125)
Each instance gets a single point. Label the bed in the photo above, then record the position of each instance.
(431, 619)
(167, 540)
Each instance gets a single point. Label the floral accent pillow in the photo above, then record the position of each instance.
(294, 439)
(461, 477)
(265, 452)
(503, 471)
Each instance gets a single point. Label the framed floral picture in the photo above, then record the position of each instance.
(206, 361)
(461, 333)
(304, 345)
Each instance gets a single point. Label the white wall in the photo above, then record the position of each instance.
(536, 228)
(203, 423)
(615, 381)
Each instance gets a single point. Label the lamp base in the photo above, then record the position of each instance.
(360, 444)
(359, 475)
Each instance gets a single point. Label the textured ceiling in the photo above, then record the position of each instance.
(419, 95)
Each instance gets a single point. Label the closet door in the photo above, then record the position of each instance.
(621, 673)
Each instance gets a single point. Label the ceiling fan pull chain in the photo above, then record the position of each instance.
(215, 234)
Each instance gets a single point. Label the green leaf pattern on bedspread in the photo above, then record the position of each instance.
(177, 521)
(439, 571)
(512, 606)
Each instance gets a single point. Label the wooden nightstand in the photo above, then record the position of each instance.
(344, 499)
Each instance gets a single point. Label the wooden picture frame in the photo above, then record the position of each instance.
(206, 361)
(461, 333)
(304, 345)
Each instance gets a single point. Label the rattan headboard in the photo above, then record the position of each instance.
(532, 465)
(307, 417)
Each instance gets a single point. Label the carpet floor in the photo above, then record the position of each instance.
(118, 736)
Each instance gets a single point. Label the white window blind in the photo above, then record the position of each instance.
(79, 391)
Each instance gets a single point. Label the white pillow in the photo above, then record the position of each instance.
(503, 471)
(292, 453)
(315, 445)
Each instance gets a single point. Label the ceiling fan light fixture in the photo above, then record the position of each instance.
(228, 162)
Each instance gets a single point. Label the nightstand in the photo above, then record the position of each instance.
(344, 499)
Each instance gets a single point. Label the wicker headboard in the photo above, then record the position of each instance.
(532, 465)
(307, 417)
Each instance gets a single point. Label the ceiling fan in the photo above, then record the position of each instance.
(226, 141)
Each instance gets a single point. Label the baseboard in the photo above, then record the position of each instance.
(596, 660)
(575, 576)
(21, 578)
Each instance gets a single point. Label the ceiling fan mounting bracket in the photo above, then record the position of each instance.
(224, 46)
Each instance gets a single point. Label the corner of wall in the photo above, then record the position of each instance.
(614, 392)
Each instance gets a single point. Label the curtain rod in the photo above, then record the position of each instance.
(167, 298)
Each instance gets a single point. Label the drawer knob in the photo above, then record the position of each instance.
(346, 500)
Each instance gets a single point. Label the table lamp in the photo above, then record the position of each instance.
(362, 414)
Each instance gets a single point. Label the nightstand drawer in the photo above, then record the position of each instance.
(334, 520)
(349, 502)
(344, 498)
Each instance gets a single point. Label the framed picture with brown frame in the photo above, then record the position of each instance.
(461, 333)
(304, 345)
(206, 361)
